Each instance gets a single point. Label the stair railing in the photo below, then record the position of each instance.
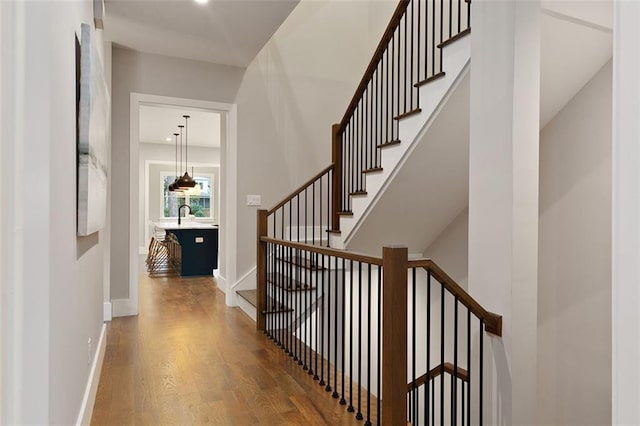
(408, 56)
(343, 316)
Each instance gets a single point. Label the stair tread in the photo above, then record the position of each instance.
(288, 283)
(408, 114)
(358, 193)
(251, 296)
(345, 213)
(302, 262)
(372, 170)
(388, 143)
(454, 38)
(434, 77)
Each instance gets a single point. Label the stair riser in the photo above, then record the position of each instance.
(411, 129)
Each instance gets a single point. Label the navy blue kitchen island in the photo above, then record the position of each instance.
(199, 247)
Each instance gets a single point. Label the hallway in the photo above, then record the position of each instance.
(188, 359)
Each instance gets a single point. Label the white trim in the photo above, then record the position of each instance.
(221, 281)
(124, 307)
(228, 161)
(229, 216)
(86, 409)
(247, 308)
(106, 311)
(247, 282)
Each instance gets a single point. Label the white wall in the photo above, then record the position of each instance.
(155, 75)
(55, 292)
(626, 215)
(450, 250)
(293, 91)
(574, 287)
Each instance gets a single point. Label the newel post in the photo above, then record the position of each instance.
(261, 270)
(336, 184)
(394, 335)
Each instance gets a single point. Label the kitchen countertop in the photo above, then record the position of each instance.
(184, 225)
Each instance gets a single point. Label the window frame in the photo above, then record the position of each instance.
(212, 211)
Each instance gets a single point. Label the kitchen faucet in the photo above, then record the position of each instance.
(180, 210)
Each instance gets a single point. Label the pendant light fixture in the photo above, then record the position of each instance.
(173, 187)
(186, 181)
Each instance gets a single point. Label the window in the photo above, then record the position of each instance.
(200, 198)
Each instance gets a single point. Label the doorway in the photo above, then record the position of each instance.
(226, 199)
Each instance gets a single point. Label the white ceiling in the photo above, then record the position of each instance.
(229, 32)
(159, 122)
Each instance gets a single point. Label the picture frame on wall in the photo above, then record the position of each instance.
(93, 106)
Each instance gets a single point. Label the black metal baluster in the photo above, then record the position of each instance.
(450, 18)
(313, 212)
(368, 422)
(379, 340)
(386, 98)
(329, 303)
(468, 366)
(428, 369)
(324, 304)
(459, 15)
(418, 51)
(441, 29)
(392, 84)
(413, 345)
(306, 216)
(367, 136)
(289, 311)
(335, 336)
(433, 38)
(410, 84)
(350, 407)
(343, 401)
(454, 376)
(359, 413)
(304, 315)
(481, 371)
(399, 77)
(442, 342)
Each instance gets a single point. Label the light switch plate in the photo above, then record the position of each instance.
(254, 200)
(199, 239)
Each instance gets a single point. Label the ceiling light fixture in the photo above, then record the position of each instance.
(201, 1)
(186, 181)
(174, 186)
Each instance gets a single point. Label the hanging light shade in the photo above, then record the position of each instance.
(173, 187)
(186, 181)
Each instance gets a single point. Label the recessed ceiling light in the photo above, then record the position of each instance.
(168, 139)
(201, 1)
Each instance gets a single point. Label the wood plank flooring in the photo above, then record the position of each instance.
(188, 359)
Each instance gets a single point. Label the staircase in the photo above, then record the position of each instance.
(342, 316)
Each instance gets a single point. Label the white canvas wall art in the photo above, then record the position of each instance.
(93, 121)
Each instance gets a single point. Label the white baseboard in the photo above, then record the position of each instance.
(106, 311)
(247, 308)
(247, 282)
(221, 281)
(123, 308)
(89, 399)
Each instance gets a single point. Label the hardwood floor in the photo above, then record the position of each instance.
(188, 359)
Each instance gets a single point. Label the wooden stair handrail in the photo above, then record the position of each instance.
(493, 322)
(377, 56)
(300, 189)
(343, 254)
(449, 368)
